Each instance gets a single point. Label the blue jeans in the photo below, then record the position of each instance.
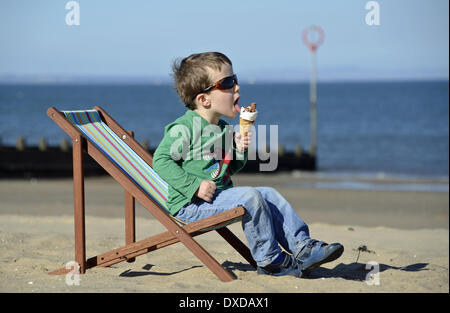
(269, 222)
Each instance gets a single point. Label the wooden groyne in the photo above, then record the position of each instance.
(45, 161)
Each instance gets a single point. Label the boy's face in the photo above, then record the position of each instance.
(223, 102)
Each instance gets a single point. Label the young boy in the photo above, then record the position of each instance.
(200, 152)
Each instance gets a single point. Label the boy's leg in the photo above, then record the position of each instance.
(309, 253)
(291, 231)
(257, 222)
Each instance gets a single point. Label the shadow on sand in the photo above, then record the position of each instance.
(131, 273)
(352, 271)
(359, 271)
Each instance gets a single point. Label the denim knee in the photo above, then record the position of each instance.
(253, 201)
(265, 191)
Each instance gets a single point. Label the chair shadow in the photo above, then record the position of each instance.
(358, 271)
(229, 266)
(147, 267)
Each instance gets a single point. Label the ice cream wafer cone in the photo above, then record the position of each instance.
(247, 118)
(245, 126)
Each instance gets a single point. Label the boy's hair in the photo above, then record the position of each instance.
(191, 75)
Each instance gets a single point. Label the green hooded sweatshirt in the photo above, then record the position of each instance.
(193, 150)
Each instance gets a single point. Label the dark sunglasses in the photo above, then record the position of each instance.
(223, 84)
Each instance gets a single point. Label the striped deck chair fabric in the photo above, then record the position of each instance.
(96, 131)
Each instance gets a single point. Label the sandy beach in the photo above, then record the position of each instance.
(404, 232)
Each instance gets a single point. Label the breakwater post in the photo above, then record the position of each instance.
(313, 37)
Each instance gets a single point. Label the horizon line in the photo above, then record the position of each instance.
(166, 82)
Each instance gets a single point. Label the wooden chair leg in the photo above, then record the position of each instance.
(206, 258)
(78, 198)
(237, 244)
(130, 221)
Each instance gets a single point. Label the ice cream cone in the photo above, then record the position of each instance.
(247, 118)
(245, 126)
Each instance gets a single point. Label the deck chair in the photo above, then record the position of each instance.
(115, 149)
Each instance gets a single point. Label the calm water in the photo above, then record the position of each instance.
(391, 128)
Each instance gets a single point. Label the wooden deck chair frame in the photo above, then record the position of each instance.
(175, 233)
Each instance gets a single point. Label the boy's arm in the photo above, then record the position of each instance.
(169, 170)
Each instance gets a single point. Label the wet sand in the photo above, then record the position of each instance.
(105, 198)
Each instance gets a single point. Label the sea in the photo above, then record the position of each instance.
(368, 129)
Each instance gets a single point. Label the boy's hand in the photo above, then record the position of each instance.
(242, 143)
(206, 190)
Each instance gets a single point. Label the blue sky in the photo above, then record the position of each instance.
(140, 39)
